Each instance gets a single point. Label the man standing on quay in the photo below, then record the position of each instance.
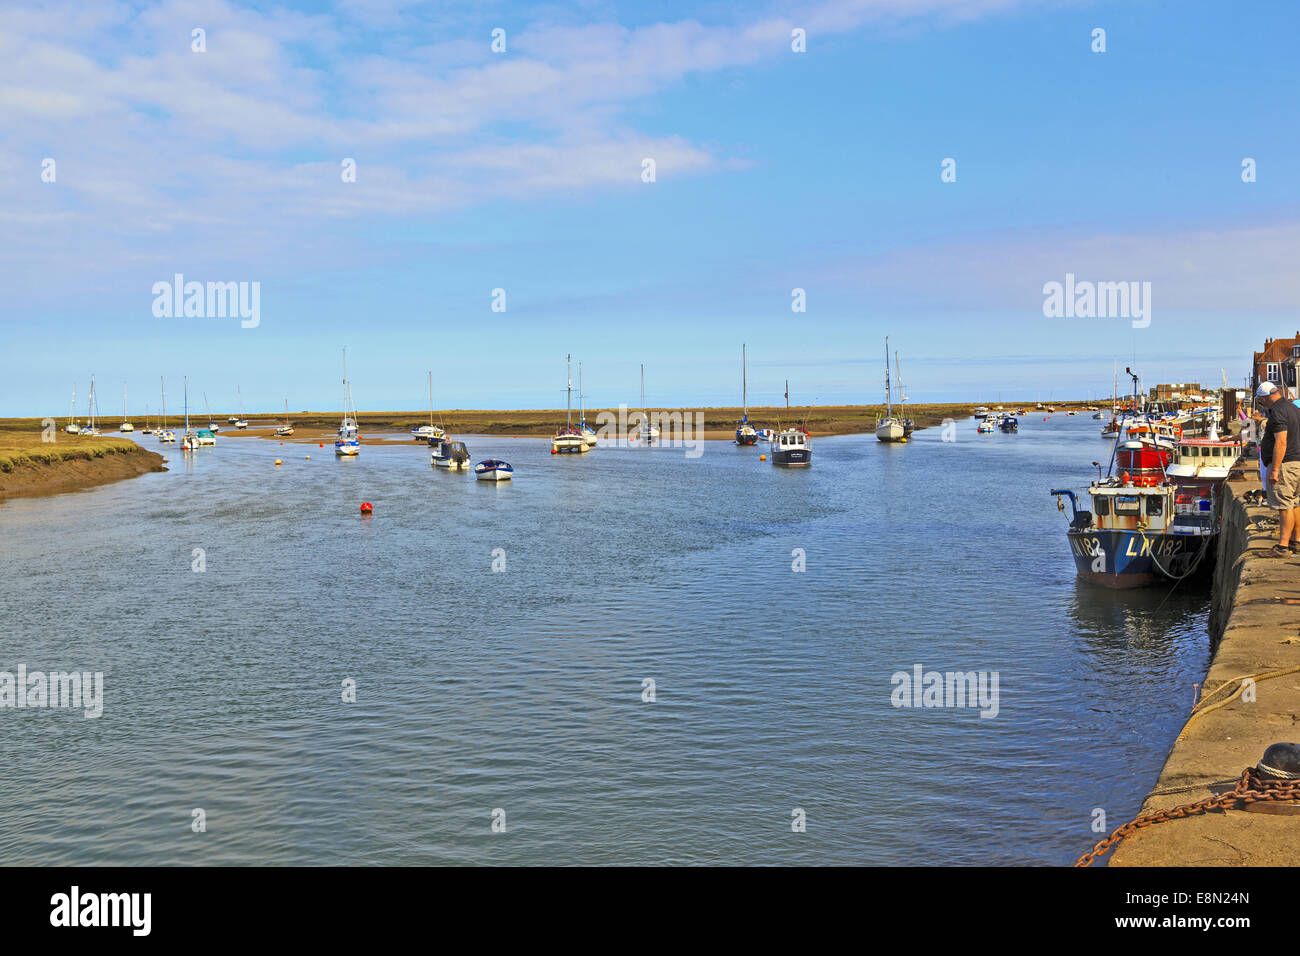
(1280, 452)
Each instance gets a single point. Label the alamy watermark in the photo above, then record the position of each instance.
(951, 689)
(37, 689)
(212, 300)
(1098, 300)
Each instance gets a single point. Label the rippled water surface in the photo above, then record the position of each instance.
(522, 690)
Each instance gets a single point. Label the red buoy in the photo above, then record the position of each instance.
(367, 508)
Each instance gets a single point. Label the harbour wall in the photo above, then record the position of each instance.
(1255, 629)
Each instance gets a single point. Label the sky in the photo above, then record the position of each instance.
(523, 170)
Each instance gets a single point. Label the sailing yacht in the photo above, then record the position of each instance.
(165, 436)
(648, 431)
(348, 444)
(568, 440)
(745, 434)
(588, 435)
(430, 433)
(91, 408)
(148, 429)
(889, 428)
(189, 441)
(72, 428)
(212, 426)
(285, 430)
(241, 421)
(126, 423)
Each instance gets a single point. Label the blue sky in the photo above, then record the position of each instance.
(522, 171)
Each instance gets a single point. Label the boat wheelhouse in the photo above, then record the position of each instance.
(1202, 462)
(791, 447)
(1137, 535)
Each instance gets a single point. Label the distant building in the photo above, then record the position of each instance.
(1175, 392)
(1276, 364)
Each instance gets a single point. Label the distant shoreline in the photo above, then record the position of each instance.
(719, 421)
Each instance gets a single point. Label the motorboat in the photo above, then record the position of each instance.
(449, 454)
(791, 447)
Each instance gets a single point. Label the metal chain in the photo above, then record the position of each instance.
(1251, 788)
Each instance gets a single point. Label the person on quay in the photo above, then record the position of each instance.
(1279, 451)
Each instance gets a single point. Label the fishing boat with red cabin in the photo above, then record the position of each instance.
(1142, 526)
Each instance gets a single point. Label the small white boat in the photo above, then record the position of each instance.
(241, 421)
(430, 433)
(493, 469)
(72, 428)
(285, 430)
(189, 441)
(126, 425)
(206, 437)
(348, 444)
(648, 432)
(982, 411)
(167, 437)
(588, 434)
(985, 427)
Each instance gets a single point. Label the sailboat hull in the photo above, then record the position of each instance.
(890, 431)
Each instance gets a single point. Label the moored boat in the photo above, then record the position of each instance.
(493, 469)
(348, 442)
(1009, 423)
(449, 454)
(791, 447)
(430, 433)
(569, 440)
(889, 428)
(745, 432)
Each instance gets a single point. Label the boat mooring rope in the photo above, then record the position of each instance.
(1200, 710)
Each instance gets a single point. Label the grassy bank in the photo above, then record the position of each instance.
(30, 466)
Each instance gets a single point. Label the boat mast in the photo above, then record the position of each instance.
(123, 401)
(345, 385)
(73, 413)
(568, 374)
(744, 380)
(889, 402)
(902, 395)
(430, 399)
(582, 402)
(163, 385)
(187, 404)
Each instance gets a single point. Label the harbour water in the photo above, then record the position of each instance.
(522, 690)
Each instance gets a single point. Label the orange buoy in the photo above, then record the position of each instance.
(367, 508)
(278, 463)
(762, 458)
(309, 457)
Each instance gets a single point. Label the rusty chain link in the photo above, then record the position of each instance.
(1251, 788)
